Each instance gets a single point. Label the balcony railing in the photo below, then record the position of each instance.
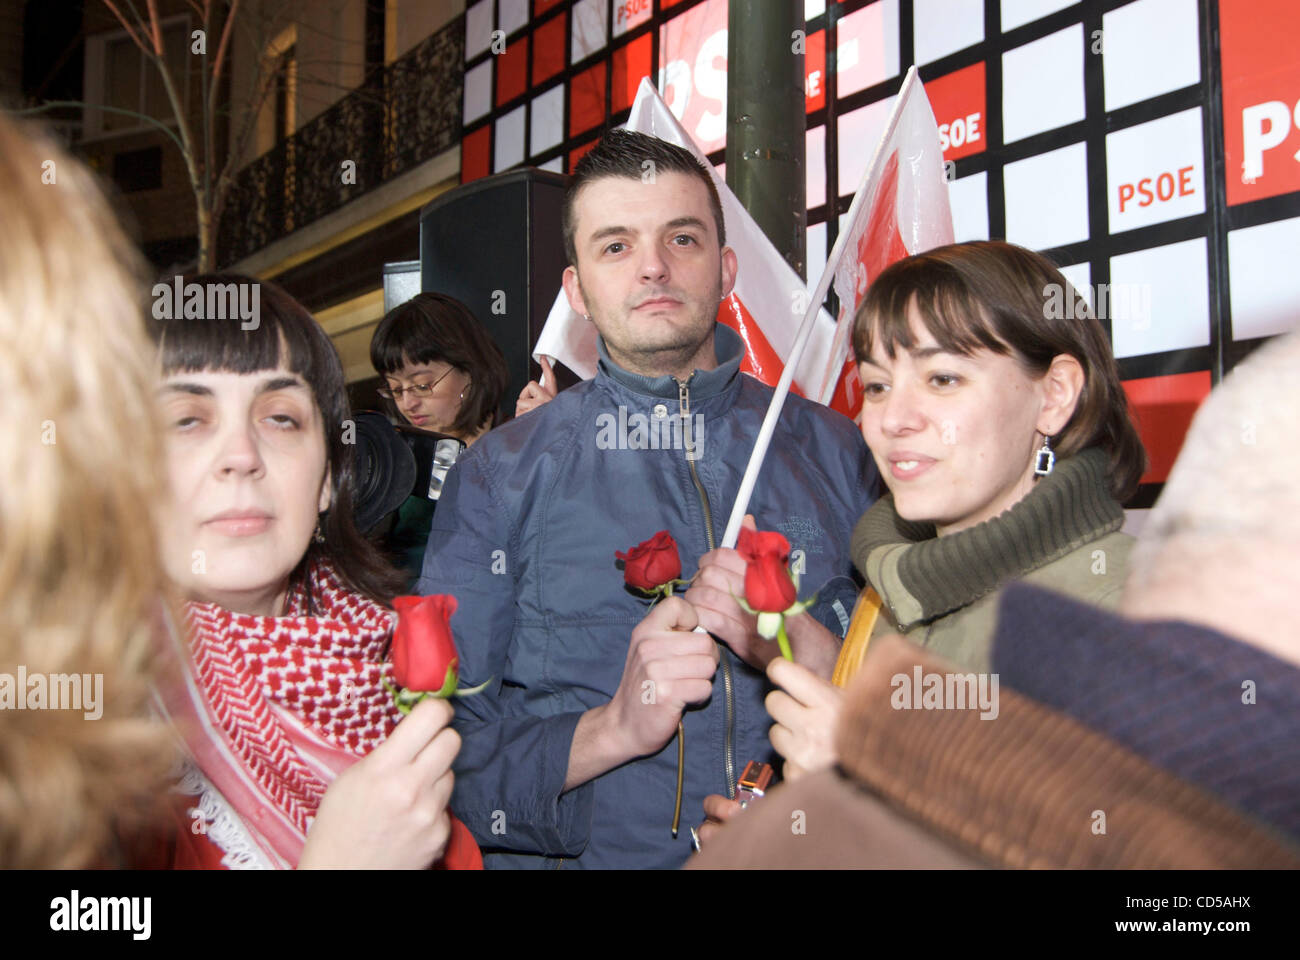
(407, 114)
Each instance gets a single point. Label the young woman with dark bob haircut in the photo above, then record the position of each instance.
(296, 756)
(442, 370)
(1003, 433)
(442, 373)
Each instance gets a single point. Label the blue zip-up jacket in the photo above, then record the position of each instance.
(524, 537)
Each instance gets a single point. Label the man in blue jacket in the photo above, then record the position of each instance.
(568, 757)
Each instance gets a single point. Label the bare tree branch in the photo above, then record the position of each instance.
(196, 136)
(221, 50)
(126, 25)
(157, 27)
(83, 105)
(266, 83)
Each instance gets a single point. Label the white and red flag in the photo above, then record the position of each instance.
(765, 308)
(901, 208)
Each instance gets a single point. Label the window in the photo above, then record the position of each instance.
(285, 94)
(119, 76)
(277, 119)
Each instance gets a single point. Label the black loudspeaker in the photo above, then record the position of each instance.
(496, 245)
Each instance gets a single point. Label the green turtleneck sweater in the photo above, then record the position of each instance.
(941, 592)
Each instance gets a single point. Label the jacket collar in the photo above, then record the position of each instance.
(704, 384)
(1098, 667)
(962, 791)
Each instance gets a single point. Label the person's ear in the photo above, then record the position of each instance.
(730, 266)
(1062, 386)
(573, 291)
(326, 491)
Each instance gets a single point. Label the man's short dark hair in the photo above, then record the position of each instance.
(628, 154)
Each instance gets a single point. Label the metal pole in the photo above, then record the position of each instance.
(766, 119)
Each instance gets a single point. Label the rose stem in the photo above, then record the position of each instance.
(681, 763)
(783, 640)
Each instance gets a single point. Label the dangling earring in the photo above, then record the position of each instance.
(319, 535)
(1044, 460)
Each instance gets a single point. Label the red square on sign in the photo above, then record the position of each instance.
(1261, 97)
(631, 63)
(548, 49)
(512, 71)
(958, 102)
(1163, 408)
(814, 71)
(541, 6)
(475, 160)
(587, 99)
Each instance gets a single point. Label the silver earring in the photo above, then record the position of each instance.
(1044, 460)
(319, 535)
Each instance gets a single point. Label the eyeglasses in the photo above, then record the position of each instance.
(419, 390)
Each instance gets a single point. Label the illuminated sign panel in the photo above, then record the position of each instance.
(1080, 129)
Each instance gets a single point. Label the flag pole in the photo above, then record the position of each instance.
(831, 375)
(774, 408)
(759, 453)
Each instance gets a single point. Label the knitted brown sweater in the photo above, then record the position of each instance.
(945, 787)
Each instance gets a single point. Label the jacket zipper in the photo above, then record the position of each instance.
(729, 763)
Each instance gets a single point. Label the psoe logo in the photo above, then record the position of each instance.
(639, 432)
(209, 301)
(945, 691)
(53, 691)
(75, 912)
(1265, 126)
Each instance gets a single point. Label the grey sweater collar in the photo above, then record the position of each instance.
(1070, 507)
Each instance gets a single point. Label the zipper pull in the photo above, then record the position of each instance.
(684, 405)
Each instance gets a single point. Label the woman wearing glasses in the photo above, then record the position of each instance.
(444, 374)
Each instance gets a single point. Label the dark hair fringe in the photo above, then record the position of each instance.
(996, 295)
(214, 343)
(435, 327)
(623, 153)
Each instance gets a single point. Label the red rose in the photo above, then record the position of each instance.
(768, 585)
(424, 651)
(648, 566)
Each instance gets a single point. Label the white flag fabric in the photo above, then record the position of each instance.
(901, 208)
(765, 308)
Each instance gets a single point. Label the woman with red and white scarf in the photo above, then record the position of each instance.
(296, 758)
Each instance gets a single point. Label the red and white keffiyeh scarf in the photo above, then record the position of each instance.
(274, 708)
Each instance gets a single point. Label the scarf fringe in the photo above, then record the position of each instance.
(221, 824)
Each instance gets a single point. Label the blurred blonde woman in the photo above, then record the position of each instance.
(80, 472)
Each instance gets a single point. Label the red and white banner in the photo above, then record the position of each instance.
(766, 307)
(1261, 98)
(901, 208)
